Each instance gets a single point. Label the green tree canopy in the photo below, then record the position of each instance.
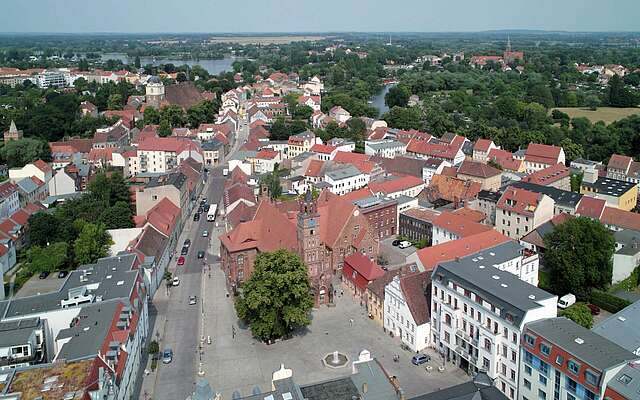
(397, 96)
(47, 259)
(92, 243)
(43, 228)
(579, 256)
(18, 153)
(580, 314)
(277, 298)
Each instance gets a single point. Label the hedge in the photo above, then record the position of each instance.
(608, 301)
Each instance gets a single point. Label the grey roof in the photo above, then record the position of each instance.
(627, 382)
(503, 289)
(343, 172)
(93, 325)
(14, 333)
(489, 196)
(244, 154)
(176, 179)
(480, 388)
(623, 328)
(561, 197)
(282, 388)
(211, 145)
(373, 201)
(113, 277)
(584, 161)
(402, 199)
(27, 185)
(384, 144)
(629, 241)
(610, 187)
(595, 350)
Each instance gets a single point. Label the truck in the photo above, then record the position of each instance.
(566, 301)
(211, 214)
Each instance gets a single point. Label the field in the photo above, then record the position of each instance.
(265, 40)
(605, 114)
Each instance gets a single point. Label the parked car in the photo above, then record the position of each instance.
(595, 310)
(43, 275)
(63, 274)
(419, 359)
(187, 243)
(167, 356)
(184, 251)
(207, 207)
(193, 300)
(395, 242)
(181, 260)
(404, 244)
(201, 254)
(205, 233)
(196, 217)
(566, 301)
(175, 281)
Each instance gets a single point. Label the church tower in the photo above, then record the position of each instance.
(309, 245)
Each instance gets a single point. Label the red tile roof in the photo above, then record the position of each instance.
(20, 217)
(520, 201)
(416, 289)
(620, 218)
(470, 214)
(357, 194)
(482, 145)
(543, 153)
(430, 257)
(314, 169)
(437, 150)
(620, 162)
(7, 189)
(42, 166)
(477, 169)
(267, 154)
(322, 148)
(364, 266)
(505, 159)
(237, 192)
(396, 185)
(549, 175)
(459, 224)
(163, 216)
(451, 189)
(350, 158)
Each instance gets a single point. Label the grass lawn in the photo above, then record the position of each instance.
(605, 114)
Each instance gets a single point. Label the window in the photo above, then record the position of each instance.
(487, 344)
(513, 375)
(544, 368)
(571, 385)
(591, 378)
(543, 379)
(545, 349)
(530, 340)
(513, 356)
(527, 384)
(527, 370)
(447, 338)
(485, 363)
(504, 369)
(574, 367)
(542, 395)
(559, 360)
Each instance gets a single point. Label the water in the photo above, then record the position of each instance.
(214, 67)
(378, 100)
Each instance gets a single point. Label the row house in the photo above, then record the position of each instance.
(507, 161)
(616, 193)
(381, 213)
(9, 199)
(540, 156)
(562, 360)
(432, 167)
(488, 177)
(623, 168)
(416, 224)
(449, 226)
(312, 102)
(358, 272)
(478, 317)
(302, 143)
(482, 148)
(171, 186)
(164, 154)
(386, 148)
(265, 161)
(591, 170)
(345, 179)
(324, 152)
(453, 154)
(23, 344)
(408, 186)
(557, 176)
(116, 136)
(38, 168)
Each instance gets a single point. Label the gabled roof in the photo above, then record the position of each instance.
(163, 216)
(591, 207)
(322, 148)
(482, 145)
(315, 168)
(396, 185)
(505, 159)
(237, 192)
(543, 153)
(7, 189)
(402, 165)
(416, 289)
(620, 162)
(267, 154)
(439, 150)
(364, 266)
(42, 166)
(448, 251)
(450, 189)
(549, 175)
(520, 201)
(477, 169)
(459, 224)
(536, 236)
(623, 219)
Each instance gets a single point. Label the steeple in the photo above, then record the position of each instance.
(12, 127)
(508, 44)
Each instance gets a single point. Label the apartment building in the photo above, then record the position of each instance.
(478, 316)
(561, 360)
(540, 156)
(617, 193)
(520, 211)
(301, 143)
(345, 179)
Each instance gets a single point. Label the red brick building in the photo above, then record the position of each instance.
(358, 272)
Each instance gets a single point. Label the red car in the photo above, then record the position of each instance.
(180, 260)
(595, 310)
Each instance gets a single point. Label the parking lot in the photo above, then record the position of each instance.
(35, 285)
(394, 254)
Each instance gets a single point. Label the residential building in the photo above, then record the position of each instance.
(486, 202)
(62, 183)
(376, 288)
(409, 186)
(172, 186)
(557, 176)
(479, 388)
(534, 240)
(565, 201)
(562, 360)
(482, 148)
(488, 177)
(507, 160)
(386, 148)
(443, 190)
(38, 168)
(478, 316)
(591, 169)
(433, 167)
(623, 168)
(451, 153)
(626, 257)
(541, 156)
(358, 272)
(448, 226)
(301, 143)
(622, 328)
(520, 211)
(265, 161)
(23, 343)
(381, 213)
(416, 224)
(407, 311)
(158, 154)
(345, 179)
(618, 194)
(323, 152)
(9, 199)
(339, 114)
(213, 152)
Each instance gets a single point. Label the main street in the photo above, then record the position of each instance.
(177, 325)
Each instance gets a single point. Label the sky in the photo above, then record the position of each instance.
(216, 16)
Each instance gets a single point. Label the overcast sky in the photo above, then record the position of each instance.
(316, 15)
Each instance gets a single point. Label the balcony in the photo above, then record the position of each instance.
(466, 337)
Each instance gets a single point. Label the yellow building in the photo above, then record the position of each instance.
(618, 194)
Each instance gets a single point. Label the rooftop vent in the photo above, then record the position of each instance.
(579, 340)
(120, 283)
(496, 277)
(503, 284)
(621, 319)
(532, 297)
(481, 267)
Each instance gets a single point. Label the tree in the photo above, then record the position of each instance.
(576, 182)
(578, 255)
(580, 314)
(18, 153)
(136, 62)
(47, 259)
(272, 182)
(109, 190)
(181, 77)
(118, 216)
(154, 348)
(151, 116)
(92, 243)
(277, 298)
(43, 228)
(592, 102)
(397, 96)
(404, 118)
(618, 95)
(83, 65)
(115, 102)
(164, 129)
(493, 163)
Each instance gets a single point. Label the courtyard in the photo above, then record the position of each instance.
(235, 362)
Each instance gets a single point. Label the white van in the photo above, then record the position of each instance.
(566, 301)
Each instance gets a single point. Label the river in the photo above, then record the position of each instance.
(378, 100)
(214, 67)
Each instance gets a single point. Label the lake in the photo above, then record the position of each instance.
(378, 100)
(214, 67)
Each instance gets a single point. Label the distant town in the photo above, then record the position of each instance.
(313, 217)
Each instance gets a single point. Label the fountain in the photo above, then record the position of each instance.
(335, 360)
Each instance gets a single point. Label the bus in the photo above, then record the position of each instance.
(211, 214)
